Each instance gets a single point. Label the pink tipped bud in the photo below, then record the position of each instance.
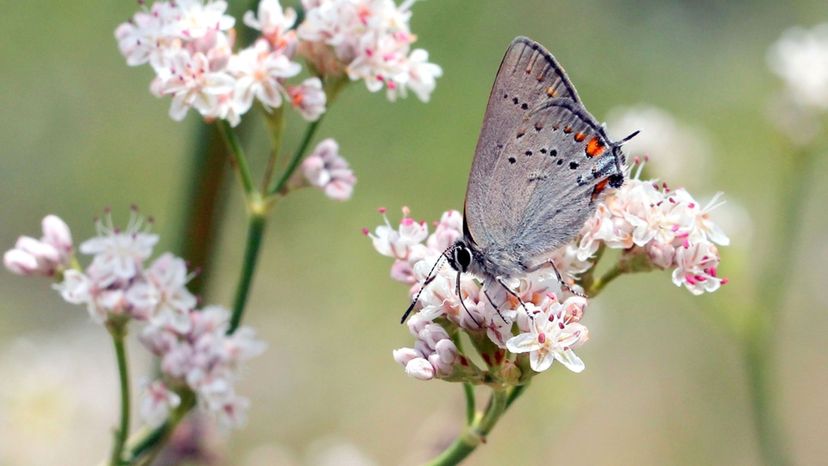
(404, 355)
(44, 253)
(446, 350)
(366, 231)
(420, 369)
(406, 211)
(20, 262)
(56, 233)
(382, 210)
(725, 281)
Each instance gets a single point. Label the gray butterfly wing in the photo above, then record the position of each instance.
(542, 186)
(528, 77)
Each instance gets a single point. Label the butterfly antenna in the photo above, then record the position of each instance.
(430, 278)
(626, 139)
(463, 303)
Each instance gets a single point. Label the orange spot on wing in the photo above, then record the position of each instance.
(580, 137)
(567, 129)
(551, 91)
(594, 147)
(598, 189)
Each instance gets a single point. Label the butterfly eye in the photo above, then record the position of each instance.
(463, 258)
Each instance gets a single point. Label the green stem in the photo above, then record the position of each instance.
(601, 282)
(760, 332)
(276, 128)
(255, 231)
(239, 159)
(475, 433)
(279, 185)
(118, 332)
(468, 391)
(333, 87)
(515, 393)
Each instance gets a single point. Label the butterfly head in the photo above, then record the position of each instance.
(460, 256)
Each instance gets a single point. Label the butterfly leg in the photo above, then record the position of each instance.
(494, 306)
(564, 284)
(511, 292)
(463, 303)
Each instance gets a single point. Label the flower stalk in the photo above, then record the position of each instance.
(118, 331)
(475, 433)
(758, 359)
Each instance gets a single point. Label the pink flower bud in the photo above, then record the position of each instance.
(420, 369)
(447, 351)
(20, 262)
(404, 355)
(56, 233)
(46, 254)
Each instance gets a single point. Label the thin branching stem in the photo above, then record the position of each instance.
(239, 158)
(118, 332)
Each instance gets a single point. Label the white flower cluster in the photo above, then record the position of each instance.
(328, 171)
(118, 286)
(203, 358)
(369, 40)
(670, 227)
(189, 45)
(434, 353)
(800, 58)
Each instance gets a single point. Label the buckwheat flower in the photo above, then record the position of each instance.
(448, 230)
(550, 338)
(401, 243)
(157, 402)
(421, 77)
(168, 274)
(800, 58)
(144, 38)
(325, 169)
(271, 20)
(260, 73)
(308, 98)
(118, 254)
(193, 85)
(197, 18)
(696, 266)
(205, 359)
(44, 257)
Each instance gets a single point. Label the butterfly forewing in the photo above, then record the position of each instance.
(542, 185)
(528, 77)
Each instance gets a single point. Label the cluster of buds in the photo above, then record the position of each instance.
(326, 170)
(119, 286)
(47, 256)
(190, 46)
(523, 334)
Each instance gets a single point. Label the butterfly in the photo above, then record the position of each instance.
(541, 164)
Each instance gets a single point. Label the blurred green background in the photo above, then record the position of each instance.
(664, 382)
